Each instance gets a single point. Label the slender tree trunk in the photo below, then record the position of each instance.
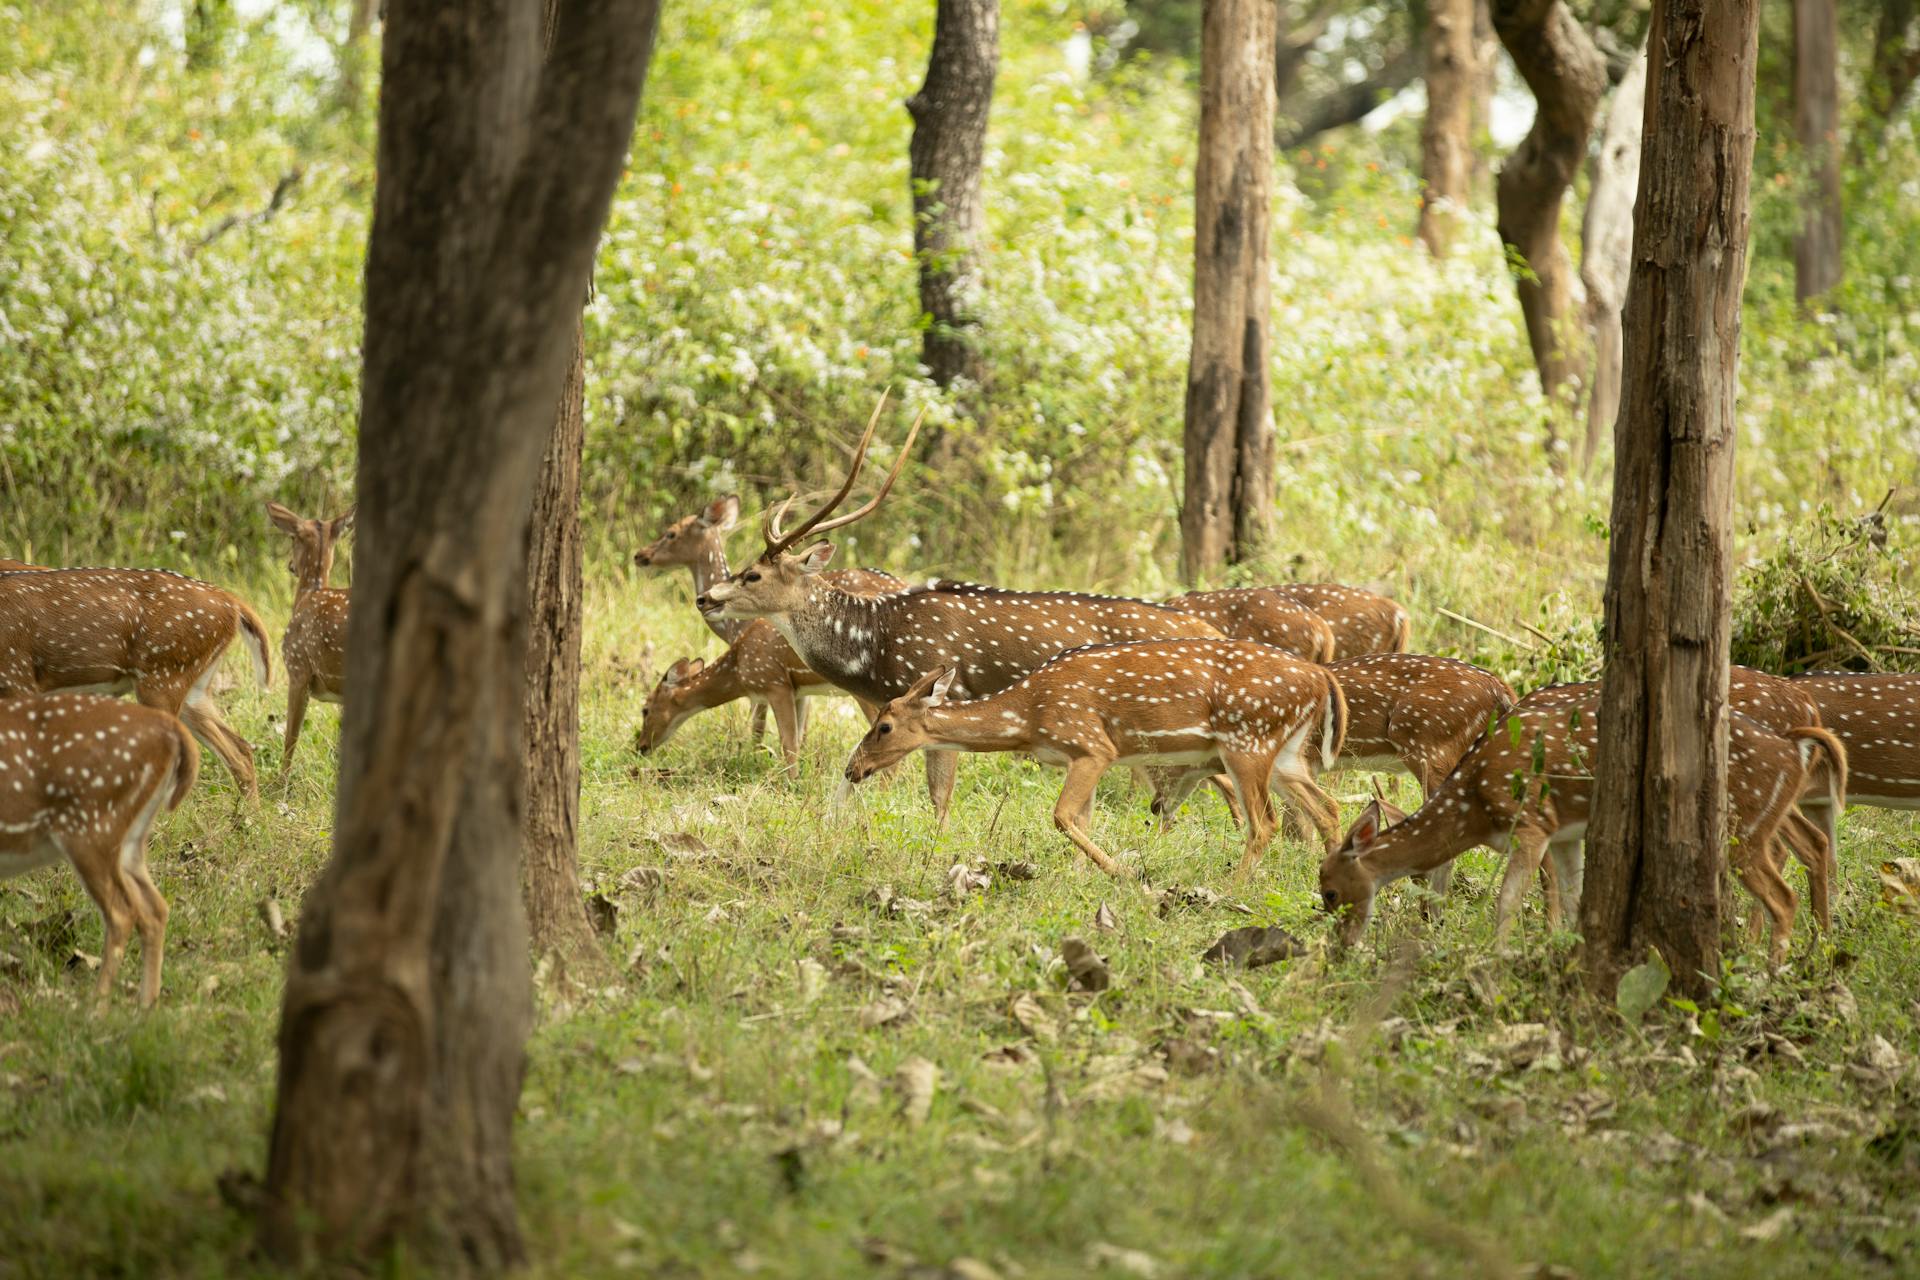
(949, 144)
(1568, 75)
(354, 55)
(1446, 139)
(1225, 515)
(408, 995)
(206, 35)
(1895, 66)
(1606, 256)
(1486, 54)
(1816, 124)
(1656, 842)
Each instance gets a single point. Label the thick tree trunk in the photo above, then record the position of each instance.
(1657, 840)
(408, 995)
(1816, 125)
(1228, 494)
(949, 144)
(1606, 254)
(1568, 75)
(1895, 66)
(1446, 139)
(556, 907)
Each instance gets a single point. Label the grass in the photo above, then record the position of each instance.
(730, 1105)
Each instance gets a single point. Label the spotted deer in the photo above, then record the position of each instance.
(1196, 706)
(699, 541)
(1525, 789)
(1262, 614)
(315, 646)
(1362, 621)
(1877, 717)
(145, 631)
(877, 647)
(84, 778)
(759, 665)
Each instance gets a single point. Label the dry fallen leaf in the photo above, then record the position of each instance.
(1900, 885)
(885, 1011)
(812, 976)
(1087, 970)
(1132, 1262)
(273, 916)
(963, 880)
(1104, 919)
(914, 1080)
(1034, 1018)
(603, 912)
(1769, 1227)
(1253, 946)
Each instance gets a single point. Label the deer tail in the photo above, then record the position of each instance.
(1813, 740)
(186, 766)
(253, 633)
(1333, 732)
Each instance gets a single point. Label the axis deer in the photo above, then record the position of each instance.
(84, 778)
(1877, 717)
(1362, 621)
(1525, 789)
(877, 647)
(315, 646)
(147, 631)
(699, 541)
(1778, 706)
(759, 665)
(1196, 706)
(1263, 614)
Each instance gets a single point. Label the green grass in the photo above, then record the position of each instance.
(723, 1107)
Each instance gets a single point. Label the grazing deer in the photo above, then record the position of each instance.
(84, 778)
(1265, 615)
(760, 665)
(1778, 706)
(1525, 789)
(1877, 717)
(699, 541)
(877, 647)
(315, 646)
(147, 631)
(1199, 706)
(1362, 622)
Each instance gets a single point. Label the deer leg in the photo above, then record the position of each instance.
(1525, 848)
(1317, 805)
(757, 726)
(150, 909)
(941, 770)
(1249, 773)
(1808, 844)
(869, 710)
(786, 721)
(1076, 800)
(99, 872)
(1567, 875)
(203, 719)
(1754, 865)
(296, 716)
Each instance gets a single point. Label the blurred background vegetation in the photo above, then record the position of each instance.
(184, 203)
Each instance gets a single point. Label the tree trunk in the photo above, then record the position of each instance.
(1225, 515)
(1446, 139)
(1656, 841)
(1606, 255)
(1568, 75)
(949, 143)
(1895, 66)
(408, 999)
(354, 54)
(1816, 125)
(1486, 54)
(206, 34)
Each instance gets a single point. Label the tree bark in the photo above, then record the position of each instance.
(1446, 139)
(1567, 75)
(207, 24)
(1656, 841)
(1486, 53)
(1816, 125)
(354, 55)
(1228, 493)
(1606, 256)
(949, 145)
(1895, 66)
(408, 994)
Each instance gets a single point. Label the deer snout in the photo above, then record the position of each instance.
(643, 557)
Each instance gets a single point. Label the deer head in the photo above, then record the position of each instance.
(901, 728)
(669, 705)
(691, 539)
(777, 582)
(1346, 887)
(312, 560)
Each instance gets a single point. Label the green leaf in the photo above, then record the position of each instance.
(1641, 987)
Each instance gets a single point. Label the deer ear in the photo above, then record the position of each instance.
(721, 512)
(817, 558)
(283, 519)
(943, 682)
(680, 671)
(343, 523)
(1361, 837)
(924, 686)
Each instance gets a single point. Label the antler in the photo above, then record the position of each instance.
(778, 540)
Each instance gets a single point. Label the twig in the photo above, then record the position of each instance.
(1530, 629)
(1481, 626)
(1826, 617)
(281, 189)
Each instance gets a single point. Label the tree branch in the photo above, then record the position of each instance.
(281, 190)
(1352, 103)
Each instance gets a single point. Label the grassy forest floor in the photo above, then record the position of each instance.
(749, 1094)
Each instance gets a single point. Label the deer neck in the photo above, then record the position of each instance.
(708, 568)
(986, 725)
(313, 576)
(837, 634)
(715, 686)
(1431, 836)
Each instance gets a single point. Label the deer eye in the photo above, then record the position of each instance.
(752, 575)
(883, 727)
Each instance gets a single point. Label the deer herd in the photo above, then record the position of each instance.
(1253, 690)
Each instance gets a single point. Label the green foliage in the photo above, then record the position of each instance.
(1833, 594)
